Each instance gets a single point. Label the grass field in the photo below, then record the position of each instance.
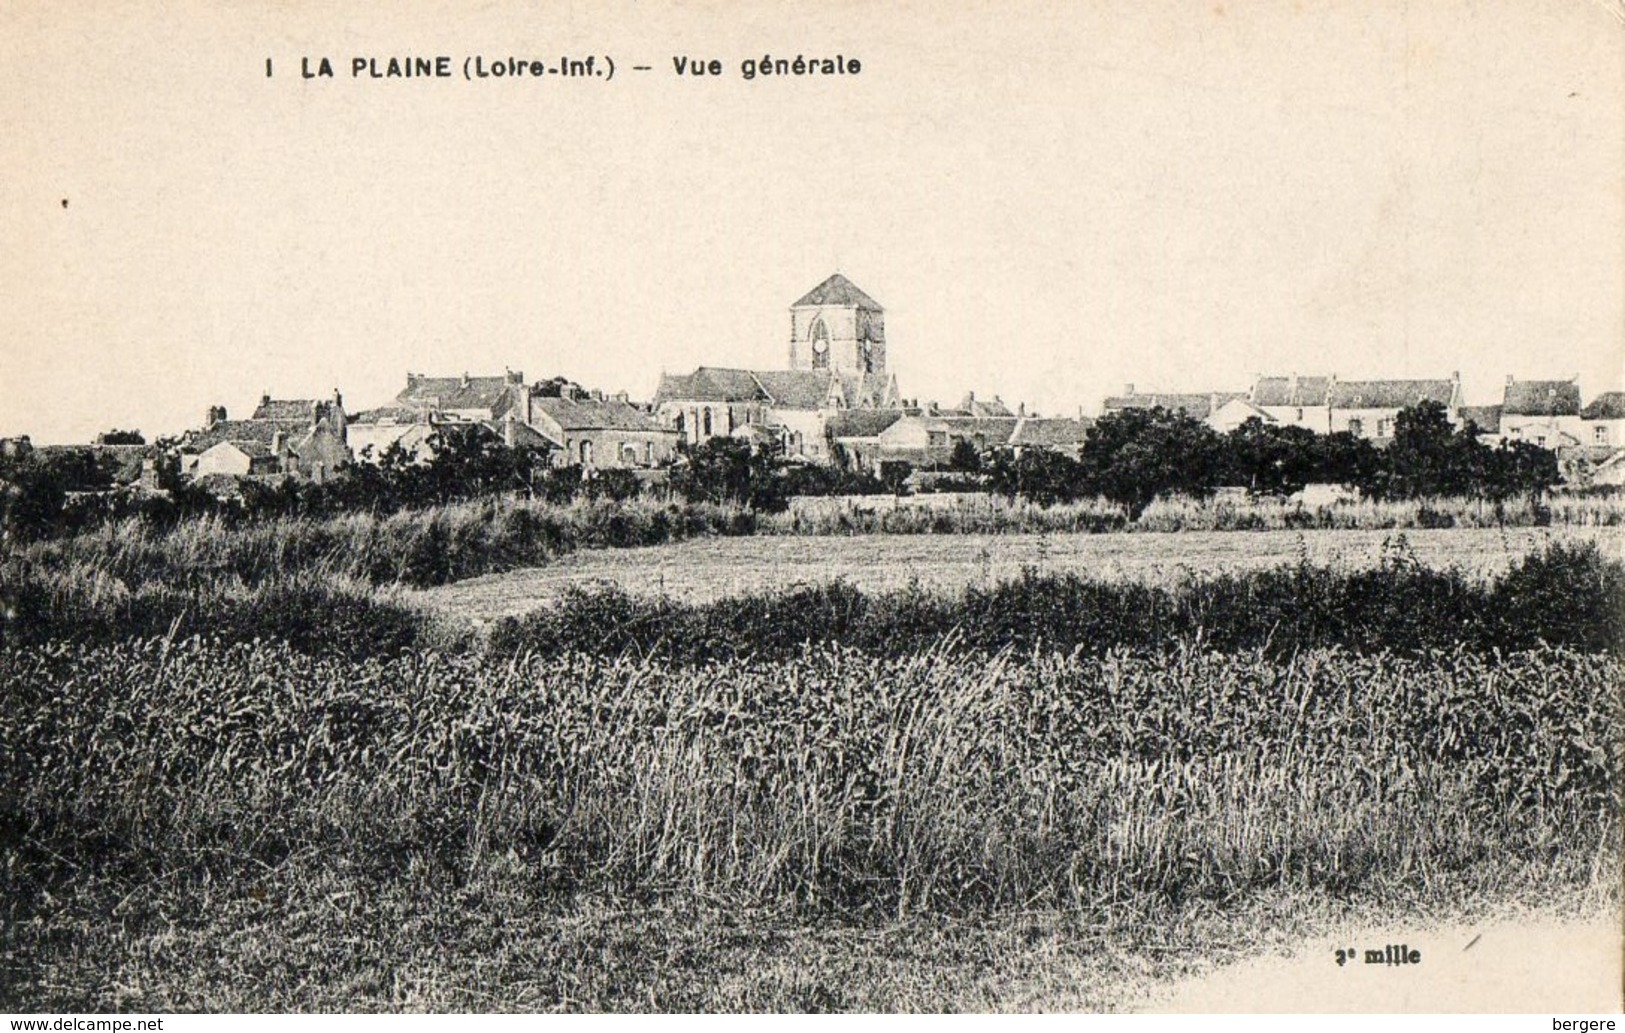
(193, 826)
(288, 792)
(704, 570)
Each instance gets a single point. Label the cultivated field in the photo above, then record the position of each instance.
(706, 569)
(244, 768)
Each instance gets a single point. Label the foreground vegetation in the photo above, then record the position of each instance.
(240, 770)
(303, 578)
(159, 788)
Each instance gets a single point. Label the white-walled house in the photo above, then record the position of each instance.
(1602, 421)
(1542, 412)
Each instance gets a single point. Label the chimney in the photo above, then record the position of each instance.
(338, 399)
(515, 376)
(1509, 378)
(217, 414)
(623, 397)
(265, 398)
(1021, 408)
(1128, 389)
(465, 378)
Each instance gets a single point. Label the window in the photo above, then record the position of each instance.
(706, 422)
(1540, 440)
(629, 454)
(818, 335)
(1383, 428)
(1356, 427)
(586, 453)
(1599, 435)
(1300, 415)
(648, 453)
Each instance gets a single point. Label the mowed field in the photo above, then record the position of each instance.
(703, 570)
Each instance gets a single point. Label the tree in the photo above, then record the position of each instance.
(964, 458)
(1269, 459)
(1518, 468)
(1342, 458)
(730, 470)
(1134, 455)
(1040, 475)
(1427, 456)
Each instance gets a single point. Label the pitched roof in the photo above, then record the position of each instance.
(290, 410)
(1388, 394)
(796, 388)
(860, 423)
(1486, 417)
(1252, 411)
(231, 430)
(590, 414)
(783, 388)
(1199, 406)
(995, 430)
(251, 449)
(1051, 432)
(458, 393)
(1291, 391)
(974, 406)
(388, 414)
(838, 290)
(1610, 405)
(1541, 398)
(710, 384)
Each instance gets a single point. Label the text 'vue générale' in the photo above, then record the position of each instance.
(602, 67)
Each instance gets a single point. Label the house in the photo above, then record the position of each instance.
(1197, 405)
(373, 432)
(600, 433)
(1058, 434)
(928, 440)
(1611, 471)
(1542, 412)
(970, 405)
(1234, 413)
(837, 362)
(1487, 418)
(1602, 421)
(465, 398)
(854, 435)
(238, 458)
(1294, 401)
(304, 438)
(1368, 408)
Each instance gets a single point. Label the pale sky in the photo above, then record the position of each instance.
(1049, 199)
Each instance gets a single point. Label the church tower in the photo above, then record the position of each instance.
(835, 326)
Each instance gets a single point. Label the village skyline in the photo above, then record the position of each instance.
(1050, 202)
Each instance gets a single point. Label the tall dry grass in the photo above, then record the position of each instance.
(991, 514)
(835, 781)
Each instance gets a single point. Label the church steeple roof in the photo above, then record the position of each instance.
(839, 291)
